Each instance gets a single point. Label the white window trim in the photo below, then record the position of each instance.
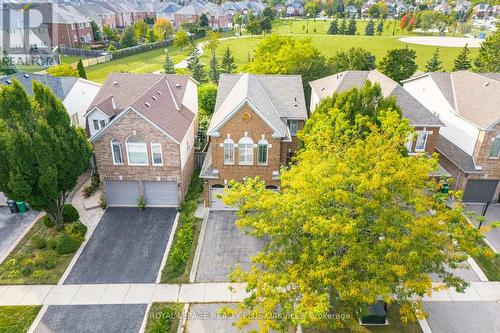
(261, 143)
(491, 148)
(418, 150)
(228, 142)
(409, 143)
(94, 122)
(128, 156)
(154, 144)
(290, 121)
(113, 152)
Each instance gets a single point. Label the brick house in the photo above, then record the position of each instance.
(142, 127)
(469, 146)
(425, 123)
(69, 27)
(252, 131)
(191, 12)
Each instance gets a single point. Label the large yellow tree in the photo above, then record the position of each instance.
(356, 220)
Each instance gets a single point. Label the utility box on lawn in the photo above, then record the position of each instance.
(376, 315)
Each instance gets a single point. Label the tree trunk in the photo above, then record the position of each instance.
(57, 214)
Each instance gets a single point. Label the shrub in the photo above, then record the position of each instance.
(87, 191)
(164, 321)
(102, 201)
(26, 270)
(38, 242)
(141, 203)
(39, 275)
(46, 259)
(52, 243)
(47, 222)
(77, 228)
(179, 255)
(66, 244)
(70, 214)
(95, 182)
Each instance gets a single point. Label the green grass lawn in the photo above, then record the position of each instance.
(490, 265)
(37, 259)
(163, 317)
(17, 319)
(70, 59)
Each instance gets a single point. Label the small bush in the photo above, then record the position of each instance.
(66, 244)
(95, 182)
(26, 270)
(164, 321)
(38, 242)
(102, 201)
(39, 275)
(46, 259)
(47, 222)
(87, 191)
(77, 228)
(52, 243)
(70, 214)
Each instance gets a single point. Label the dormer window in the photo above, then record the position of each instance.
(99, 124)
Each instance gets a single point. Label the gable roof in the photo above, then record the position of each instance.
(61, 86)
(474, 96)
(457, 156)
(412, 109)
(274, 98)
(156, 97)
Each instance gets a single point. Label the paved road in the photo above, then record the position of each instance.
(92, 318)
(127, 246)
(492, 214)
(224, 246)
(12, 226)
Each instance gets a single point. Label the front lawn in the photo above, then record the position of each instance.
(163, 317)
(17, 319)
(43, 255)
(489, 264)
(181, 255)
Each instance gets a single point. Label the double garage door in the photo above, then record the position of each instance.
(480, 190)
(127, 193)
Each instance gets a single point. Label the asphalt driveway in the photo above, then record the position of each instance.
(224, 246)
(121, 318)
(492, 215)
(12, 226)
(127, 246)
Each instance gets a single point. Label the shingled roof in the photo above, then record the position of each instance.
(61, 86)
(157, 97)
(457, 156)
(412, 109)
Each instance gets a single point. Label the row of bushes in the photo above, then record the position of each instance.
(182, 246)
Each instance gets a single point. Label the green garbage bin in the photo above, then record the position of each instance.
(21, 205)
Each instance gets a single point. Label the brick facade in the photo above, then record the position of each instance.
(70, 35)
(133, 124)
(431, 139)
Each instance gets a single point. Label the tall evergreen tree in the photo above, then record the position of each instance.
(213, 70)
(81, 69)
(227, 64)
(462, 62)
(96, 31)
(488, 59)
(370, 28)
(380, 26)
(168, 64)
(195, 65)
(352, 27)
(434, 64)
(128, 38)
(334, 27)
(343, 27)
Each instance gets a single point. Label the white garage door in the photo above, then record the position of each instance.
(215, 202)
(122, 193)
(160, 194)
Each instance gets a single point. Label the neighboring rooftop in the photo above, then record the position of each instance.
(61, 86)
(457, 156)
(474, 96)
(411, 108)
(274, 97)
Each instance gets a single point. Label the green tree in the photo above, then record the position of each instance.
(334, 27)
(41, 154)
(204, 20)
(128, 38)
(81, 69)
(380, 27)
(110, 34)
(207, 95)
(213, 69)
(195, 65)
(343, 30)
(140, 29)
(212, 41)
(434, 64)
(356, 231)
(312, 8)
(399, 64)
(238, 19)
(462, 61)
(181, 39)
(269, 12)
(356, 58)
(253, 25)
(168, 64)
(370, 28)
(96, 31)
(488, 59)
(266, 24)
(351, 30)
(227, 64)
(150, 36)
(163, 28)
(62, 70)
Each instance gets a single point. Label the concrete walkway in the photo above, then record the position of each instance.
(184, 293)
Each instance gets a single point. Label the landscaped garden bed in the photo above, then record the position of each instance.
(163, 317)
(181, 255)
(17, 319)
(45, 252)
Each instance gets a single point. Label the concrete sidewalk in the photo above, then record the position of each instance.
(185, 293)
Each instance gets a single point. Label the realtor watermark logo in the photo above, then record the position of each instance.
(25, 35)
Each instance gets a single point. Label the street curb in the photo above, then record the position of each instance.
(183, 321)
(424, 326)
(167, 249)
(38, 319)
(145, 319)
(475, 267)
(196, 260)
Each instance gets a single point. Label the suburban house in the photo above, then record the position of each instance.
(69, 27)
(482, 9)
(252, 131)
(469, 146)
(427, 125)
(143, 127)
(191, 12)
(75, 93)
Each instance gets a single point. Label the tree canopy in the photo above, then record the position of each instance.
(434, 64)
(399, 64)
(356, 220)
(81, 69)
(62, 70)
(163, 28)
(462, 61)
(181, 39)
(356, 58)
(128, 38)
(488, 59)
(227, 64)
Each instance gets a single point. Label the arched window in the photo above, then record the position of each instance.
(228, 151)
(262, 148)
(137, 151)
(245, 148)
(116, 150)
